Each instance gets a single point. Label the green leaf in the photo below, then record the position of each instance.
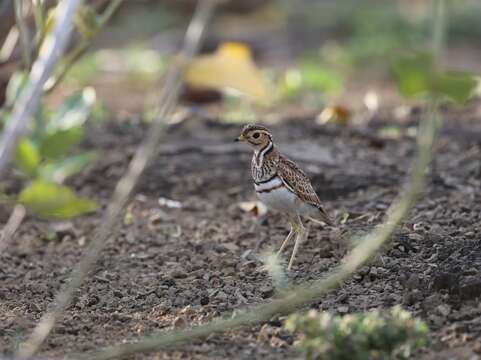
(49, 200)
(317, 77)
(418, 75)
(59, 171)
(87, 21)
(413, 74)
(73, 112)
(456, 86)
(16, 84)
(57, 144)
(27, 157)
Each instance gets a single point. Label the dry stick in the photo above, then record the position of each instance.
(26, 105)
(125, 186)
(11, 226)
(85, 44)
(304, 294)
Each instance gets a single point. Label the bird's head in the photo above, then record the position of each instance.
(256, 136)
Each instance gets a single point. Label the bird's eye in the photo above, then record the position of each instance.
(256, 135)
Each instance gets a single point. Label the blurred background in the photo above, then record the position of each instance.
(308, 54)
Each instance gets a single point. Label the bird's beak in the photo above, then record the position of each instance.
(240, 138)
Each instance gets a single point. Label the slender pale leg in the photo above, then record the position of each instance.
(301, 236)
(287, 239)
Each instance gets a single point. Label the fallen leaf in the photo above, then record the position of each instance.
(52, 201)
(334, 113)
(230, 67)
(256, 208)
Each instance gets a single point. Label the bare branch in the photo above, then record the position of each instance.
(125, 186)
(53, 47)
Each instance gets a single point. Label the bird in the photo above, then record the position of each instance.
(281, 185)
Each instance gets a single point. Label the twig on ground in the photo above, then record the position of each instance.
(11, 226)
(52, 48)
(168, 99)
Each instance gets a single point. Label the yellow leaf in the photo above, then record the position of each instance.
(230, 67)
(334, 113)
(237, 50)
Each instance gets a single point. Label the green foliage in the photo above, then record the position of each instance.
(15, 85)
(73, 112)
(393, 334)
(381, 30)
(58, 171)
(27, 157)
(83, 71)
(142, 63)
(56, 144)
(87, 21)
(418, 75)
(44, 157)
(137, 62)
(50, 200)
(311, 75)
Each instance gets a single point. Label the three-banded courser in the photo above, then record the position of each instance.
(282, 185)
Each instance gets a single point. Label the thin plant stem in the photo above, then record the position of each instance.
(39, 16)
(168, 99)
(439, 31)
(24, 32)
(11, 226)
(439, 28)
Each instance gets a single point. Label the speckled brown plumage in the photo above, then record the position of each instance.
(281, 184)
(298, 182)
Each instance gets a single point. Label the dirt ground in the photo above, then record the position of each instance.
(177, 267)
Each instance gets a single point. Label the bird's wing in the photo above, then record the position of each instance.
(298, 182)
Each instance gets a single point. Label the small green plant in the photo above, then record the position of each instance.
(44, 157)
(393, 334)
(418, 75)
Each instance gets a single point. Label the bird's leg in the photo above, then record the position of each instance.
(287, 239)
(301, 236)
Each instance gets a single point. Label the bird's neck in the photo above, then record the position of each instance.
(263, 152)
